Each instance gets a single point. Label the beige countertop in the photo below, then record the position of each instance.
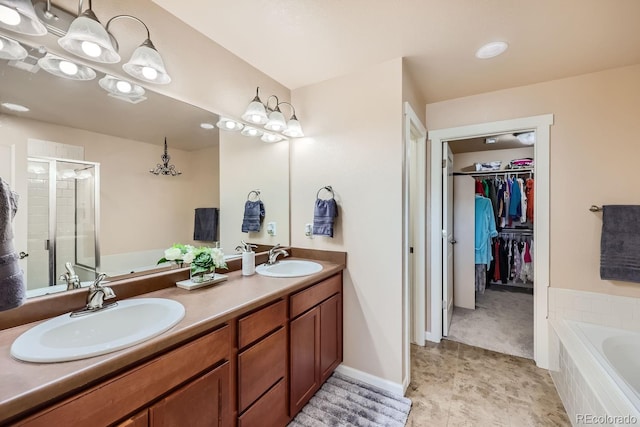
(26, 386)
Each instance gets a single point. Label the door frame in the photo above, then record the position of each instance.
(414, 141)
(540, 124)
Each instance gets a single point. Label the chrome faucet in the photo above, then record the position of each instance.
(72, 279)
(274, 252)
(96, 297)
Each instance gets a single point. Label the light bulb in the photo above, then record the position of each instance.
(206, 126)
(91, 49)
(9, 16)
(255, 118)
(253, 132)
(69, 68)
(229, 124)
(124, 87)
(149, 73)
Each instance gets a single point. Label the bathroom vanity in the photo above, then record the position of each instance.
(249, 352)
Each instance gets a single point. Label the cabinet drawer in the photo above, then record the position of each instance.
(304, 300)
(137, 387)
(269, 411)
(257, 325)
(260, 367)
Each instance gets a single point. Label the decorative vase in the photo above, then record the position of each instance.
(203, 276)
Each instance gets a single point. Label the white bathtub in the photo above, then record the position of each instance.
(596, 370)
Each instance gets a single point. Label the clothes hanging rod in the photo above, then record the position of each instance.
(498, 172)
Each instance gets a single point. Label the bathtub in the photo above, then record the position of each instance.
(596, 370)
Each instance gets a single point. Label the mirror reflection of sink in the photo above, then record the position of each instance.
(289, 268)
(64, 338)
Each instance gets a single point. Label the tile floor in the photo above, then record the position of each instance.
(454, 384)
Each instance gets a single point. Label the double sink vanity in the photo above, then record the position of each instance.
(250, 351)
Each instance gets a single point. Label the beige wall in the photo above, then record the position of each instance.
(593, 152)
(411, 94)
(250, 164)
(139, 211)
(354, 143)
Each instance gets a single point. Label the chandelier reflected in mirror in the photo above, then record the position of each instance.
(165, 168)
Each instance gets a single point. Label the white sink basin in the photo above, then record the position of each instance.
(289, 268)
(65, 338)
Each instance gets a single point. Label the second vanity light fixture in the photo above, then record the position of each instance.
(258, 113)
(85, 37)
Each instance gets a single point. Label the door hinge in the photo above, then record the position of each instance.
(411, 250)
(444, 163)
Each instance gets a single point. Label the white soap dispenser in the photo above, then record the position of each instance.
(248, 258)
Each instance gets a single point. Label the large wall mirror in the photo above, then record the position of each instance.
(80, 161)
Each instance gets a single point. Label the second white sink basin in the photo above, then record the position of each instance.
(64, 338)
(289, 268)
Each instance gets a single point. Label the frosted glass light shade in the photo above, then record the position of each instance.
(146, 64)
(63, 68)
(120, 87)
(276, 121)
(270, 137)
(20, 17)
(88, 39)
(256, 113)
(11, 49)
(251, 131)
(228, 124)
(293, 129)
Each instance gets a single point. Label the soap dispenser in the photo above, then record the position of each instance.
(248, 258)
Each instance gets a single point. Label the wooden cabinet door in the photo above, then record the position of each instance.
(141, 419)
(305, 359)
(330, 336)
(203, 402)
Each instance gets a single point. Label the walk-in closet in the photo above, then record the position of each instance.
(493, 225)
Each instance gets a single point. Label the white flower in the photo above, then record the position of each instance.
(173, 254)
(188, 257)
(218, 257)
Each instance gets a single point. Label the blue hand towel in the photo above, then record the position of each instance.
(323, 216)
(620, 243)
(253, 214)
(205, 228)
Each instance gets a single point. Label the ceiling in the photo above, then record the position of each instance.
(299, 43)
(471, 145)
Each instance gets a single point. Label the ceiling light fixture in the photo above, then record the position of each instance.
(165, 168)
(121, 88)
(207, 126)
(15, 107)
(61, 67)
(271, 137)
(12, 50)
(526, 138)
(20, 17)
(258, 113)
(491, 50)
(251, 131)
(490, 140)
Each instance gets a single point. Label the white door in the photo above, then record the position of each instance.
(447, 238)
(464, 208)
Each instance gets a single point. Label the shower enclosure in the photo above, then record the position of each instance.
(63, 221)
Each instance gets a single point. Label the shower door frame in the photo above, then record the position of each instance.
(53, 212)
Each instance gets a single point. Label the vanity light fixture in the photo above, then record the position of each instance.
(228, 124)
(120, 87)
(61, 67)
(491, 50)
(270, 137)
(165, 168)
(258, 113)
(20, 17)
(12, 50)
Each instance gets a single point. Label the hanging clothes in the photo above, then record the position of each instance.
(515, 208)
(529, 193)
(485, 230)
(523, 201)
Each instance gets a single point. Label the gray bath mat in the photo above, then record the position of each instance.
(343, 401)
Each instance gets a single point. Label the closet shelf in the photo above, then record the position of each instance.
(502, 172)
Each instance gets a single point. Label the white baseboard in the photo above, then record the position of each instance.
(405, 385)
(431, 337)
(366, 378)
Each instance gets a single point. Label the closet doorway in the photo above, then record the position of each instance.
(492, 181)
(540, 125)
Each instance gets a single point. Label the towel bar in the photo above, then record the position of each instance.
(595, 208)
(328, 188)
(256, 192)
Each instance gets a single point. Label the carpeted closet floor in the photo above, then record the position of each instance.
(502, 322)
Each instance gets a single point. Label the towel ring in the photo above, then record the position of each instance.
(257, 194)
(329, 189)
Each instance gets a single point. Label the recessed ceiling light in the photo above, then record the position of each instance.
(15, 107)
(490, 140)
(491, 50)
(206, 126)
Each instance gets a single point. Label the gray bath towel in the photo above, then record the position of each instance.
(205, 227)
(12, 287)
(620, 243)
(323, 216)
(253, 215)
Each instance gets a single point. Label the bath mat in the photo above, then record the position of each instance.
(343, 401)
